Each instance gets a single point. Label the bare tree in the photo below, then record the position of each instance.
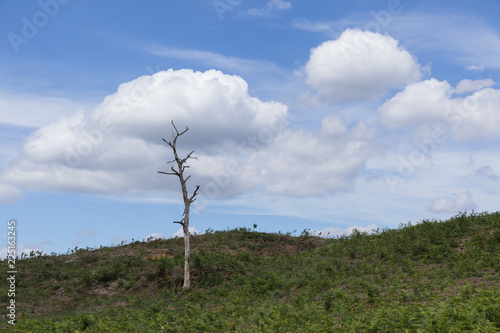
(188, 200)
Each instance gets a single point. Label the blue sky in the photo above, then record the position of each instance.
(313, 115)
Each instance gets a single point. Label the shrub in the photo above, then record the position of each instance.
(107, 274)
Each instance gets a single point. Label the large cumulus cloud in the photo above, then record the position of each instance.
(359, 65)
(118, 146)
(472, 117)
(242, 143)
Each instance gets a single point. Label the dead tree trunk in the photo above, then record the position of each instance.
(188, 200)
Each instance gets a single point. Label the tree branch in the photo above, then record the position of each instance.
(192, 199)
(188, 157)
(175, 171)
(167, 173)
(168, 142)
(177, 134)
(181, 222)
(176, 131)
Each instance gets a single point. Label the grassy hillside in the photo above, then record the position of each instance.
(435, 276)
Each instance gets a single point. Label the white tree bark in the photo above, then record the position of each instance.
(188, 200)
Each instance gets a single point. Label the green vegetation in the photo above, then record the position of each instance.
(435, 276)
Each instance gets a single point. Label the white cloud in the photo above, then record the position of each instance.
(475, 68)
(214, 60)
(9, 193)
(448, 168)
(359, 65)
(279, 4)
(293, 163)
(335, 231)
(301, 164)
(458, 202)
(419, 102)
(480, 117)
(271, 6)
(313, 26)
(473, 85)
(473, 117)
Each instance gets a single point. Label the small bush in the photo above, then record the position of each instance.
(107, 274)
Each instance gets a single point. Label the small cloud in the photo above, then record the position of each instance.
(180, 232)
(487, 172)
(154, 236)
(359, 65)
(460, 202)
(473, 85)
(271, 6)
(307, 25)
(119, 238)
(85, 233)
(10, 194)
(333, 231)
(475, 68)
(279, 4)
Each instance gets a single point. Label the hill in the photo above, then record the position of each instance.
(434, 276)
